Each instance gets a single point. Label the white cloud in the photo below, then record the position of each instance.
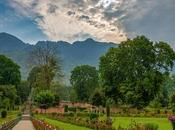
(68, 19)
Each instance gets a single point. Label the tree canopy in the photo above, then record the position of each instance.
(45, 99)
(134, 72)
(9, 72)
(84, 79)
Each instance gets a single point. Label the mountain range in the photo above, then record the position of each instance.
(77, 53)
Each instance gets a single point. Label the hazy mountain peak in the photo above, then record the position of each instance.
(78, 53)
(9, 42)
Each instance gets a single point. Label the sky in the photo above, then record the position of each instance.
(102, 20)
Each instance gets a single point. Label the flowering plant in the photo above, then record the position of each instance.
(172, 119)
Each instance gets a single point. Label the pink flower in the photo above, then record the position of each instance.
(171, 118)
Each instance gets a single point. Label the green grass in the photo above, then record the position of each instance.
(65, 126)
(10, 116)
(163, 123)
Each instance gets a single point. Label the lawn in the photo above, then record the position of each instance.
(10, 116)
(163, 123)
(65, 126)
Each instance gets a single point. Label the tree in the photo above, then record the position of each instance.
(134, 72)
(8, 96)
(9, 72)
(84, 79)
(47, 63)
(23, 91)
(45, 99)
(35, 78)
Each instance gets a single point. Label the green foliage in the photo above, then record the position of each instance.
(72, 109)
(23, 91)
(45, 99)
(155, 103)
(47, 66)
(66, 108)
(61, 90)
(8, 96)
(134, 72)
(34, 77)
(84, 79)
(73, 96)
(98, 99)
(93, 116)
(56, 100)
(3, 114)
(9, 72)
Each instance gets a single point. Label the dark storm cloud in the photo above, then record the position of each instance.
(158, 23)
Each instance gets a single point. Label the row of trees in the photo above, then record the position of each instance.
(134, 73)
(12, 91)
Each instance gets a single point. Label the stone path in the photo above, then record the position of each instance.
(24, 125)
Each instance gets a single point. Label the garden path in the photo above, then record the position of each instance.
(24, 125)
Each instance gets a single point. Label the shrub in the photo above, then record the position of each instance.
(66, 108)
(93, 116)
(81, 109)
(3, 113)
(19, 114)
(72, 109)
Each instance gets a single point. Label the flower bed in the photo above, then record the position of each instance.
(41, 125)
(172, 120)
(92, 123)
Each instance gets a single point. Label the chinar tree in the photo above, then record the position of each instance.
(134, 72)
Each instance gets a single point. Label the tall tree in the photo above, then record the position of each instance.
(84, 79)
(9, 72)
(134, 72)
(23, 91)
(47, 63)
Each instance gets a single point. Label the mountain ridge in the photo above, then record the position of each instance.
(77, 53)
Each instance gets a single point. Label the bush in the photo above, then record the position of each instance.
(72, 109)
(93, 116)
(81, 109)
(66, 108)
(3, 113)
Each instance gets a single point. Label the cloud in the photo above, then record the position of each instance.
(72, 20)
